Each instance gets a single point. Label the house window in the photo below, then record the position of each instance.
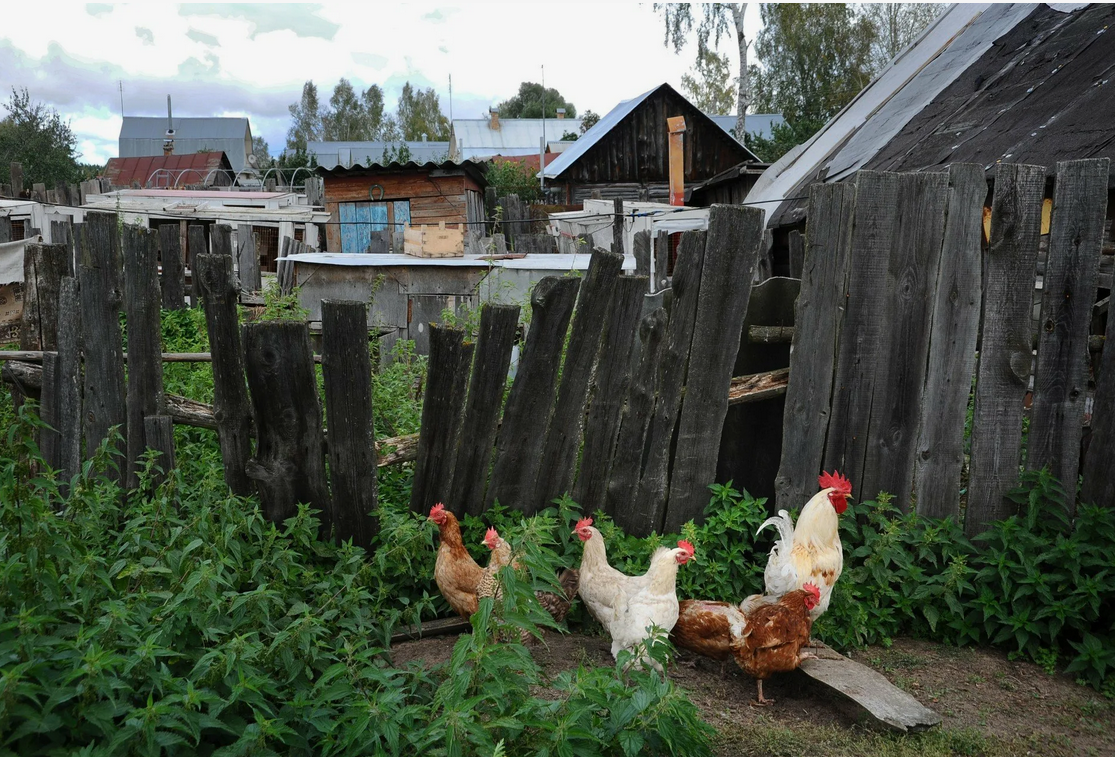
(360, 219)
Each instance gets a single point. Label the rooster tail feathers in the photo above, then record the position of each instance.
(785, 525)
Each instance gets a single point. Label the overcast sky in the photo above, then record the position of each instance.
(251, 59)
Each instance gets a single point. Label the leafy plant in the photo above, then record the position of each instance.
(281, 307)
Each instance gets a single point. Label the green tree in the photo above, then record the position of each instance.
(896, 26)
(529, 102)
(588, 120)
(352, 116)
(419, 112)
(35, 135)
(709, 86)
(372, 101)
(306, 124)
(262, 151)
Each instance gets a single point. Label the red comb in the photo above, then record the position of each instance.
(835, 481)
(812, 589)
(583, 523)
(683, 544)
(436, 509)
(491, 538)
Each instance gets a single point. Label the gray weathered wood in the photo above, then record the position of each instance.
(817, 324)
(494, 344)
(174, 274)
(62, 232)
(347, 369)
(16, 169)
(631, 437)
(642, 253)
(661, 261)
(564, 432)
(213, 277)
(196, 244)
(44, 266)
(617, 226)
(289, 464)
(1005, 352)
(731, 254)
(5, 229)
(49, 440)
(911, 285)
(860, 343)
(952, 347)
(145, 365)
(609, 390)
(1098, 485)
(654, 480)
(797, 253)
(38, 192)
(100, 278)
(1068, 293)
(158, 430)
(442, 413)
(284, 268)
(519, 447)
(68, 415)
(247, 259)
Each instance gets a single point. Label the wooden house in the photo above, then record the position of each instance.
(626, 155)
(361, 200)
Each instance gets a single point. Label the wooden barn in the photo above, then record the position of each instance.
(626, 155)
(361, 200)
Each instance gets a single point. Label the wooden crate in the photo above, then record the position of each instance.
(429, 242)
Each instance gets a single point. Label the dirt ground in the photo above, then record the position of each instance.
(989, 704)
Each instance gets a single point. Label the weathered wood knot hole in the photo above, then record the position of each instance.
(1074, 394)
(954, 294)
(1049, 325)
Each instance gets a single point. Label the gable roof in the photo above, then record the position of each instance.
(516, 136)
(173, 170)
(154, 127)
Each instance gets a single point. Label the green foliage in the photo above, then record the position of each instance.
(530, 101)
(419, 112)
(710, 86)
(281, 307)
(35, 135)
(514, 177)
(397, 391)
(588, 120)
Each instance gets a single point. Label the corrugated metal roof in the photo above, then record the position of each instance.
(144, 127)
(333, 154)
(516, 136)
(758, 124)
(173, 170)
(477, 171)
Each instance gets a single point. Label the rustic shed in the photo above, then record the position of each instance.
(626, 153)
(361, 200)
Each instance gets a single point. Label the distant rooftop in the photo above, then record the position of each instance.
(332, 155)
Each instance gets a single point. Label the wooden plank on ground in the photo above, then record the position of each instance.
(816, 333)
(1003, 371)
(952, 347)
(1068, 294)
(174, 273)
(911, 286)
(439, 627)
(731, 254)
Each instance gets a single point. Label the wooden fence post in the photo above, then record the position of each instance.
(196, 244)
(145, 358)
(1098, 487)
(174, 273)
(485, 396)
(5, 229)
(62, 232)
(49, 440)
(248, 258)
(159, 433)
(100, 278)
(289, 464)
(44, 266)
(612, 375)
(347, 367)
(952, 347)
(617, 226)
(1068, 294)
(563, 435)
(519, 448)
(68, 415)
(654, 480)
(213, 280)
(731, 254)
(1006, 349)
(442, 410)
(797, 252)
(823, 272)
(642, 253)
(661, 261)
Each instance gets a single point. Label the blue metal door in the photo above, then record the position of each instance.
(377, 214)
(356, 226)
(402, 214)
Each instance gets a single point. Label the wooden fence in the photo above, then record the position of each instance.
(900, 292)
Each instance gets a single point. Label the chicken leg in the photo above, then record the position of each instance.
(761, 701)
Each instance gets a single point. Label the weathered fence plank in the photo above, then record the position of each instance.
(442, 411)
(62, 232)
(900, 372)
(5, 229)
(289, 464)
(860, 343)
(1098, 486)
(214, 285)
(816, 333)
(247, 259)
(68, 416)
(145, 361)
(1068, 294)
(1005, 350)
(797, 252)
(196, 244)
(49, 440)
(731, 254)
(485, 397)
(519, 447)
(654, 480)
(158, 430)
(347, 368)
(642, 253)
(952, 347)
(612, 376)
(100, 277)
(661, 261)
(284, 268)
(563, 434)
(617, 225)
(174, 274)
(44, 266)
(627, 461)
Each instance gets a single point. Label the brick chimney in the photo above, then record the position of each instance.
(493, 114)
(560, 113)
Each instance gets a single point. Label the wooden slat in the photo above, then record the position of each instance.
(1068, 293)
(247, 258)
(44, 266)
(952, 347)
(69, 386)
(642, 253)
(1005, 354)
(1098, 485)
(158, 430)
(797, 250)
(173, 279)
(196, 244)
(815, 334)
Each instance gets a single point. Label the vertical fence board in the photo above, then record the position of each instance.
(1098, 486)
(731, 254)
(655, 478)
(817, 321)
(617, 225)
(519, 448)
(289, 464)
(69, 412)
(145, 360)
(627, 462)
(49, 441)
(347, 367)
(563, 434)
(158, 430)
(494, 344)
(911, 285)
(174, 274)
(860, 341)
(44, 266)
(642, 253)
(5, 229)
(612, 374)
(952, 347)
(1068, 294)
(196, 244)
(797, 251)
(100, 278)
(1006, 348)
(442, 411)
(213, 281)
(62, 232)
(248, 259)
